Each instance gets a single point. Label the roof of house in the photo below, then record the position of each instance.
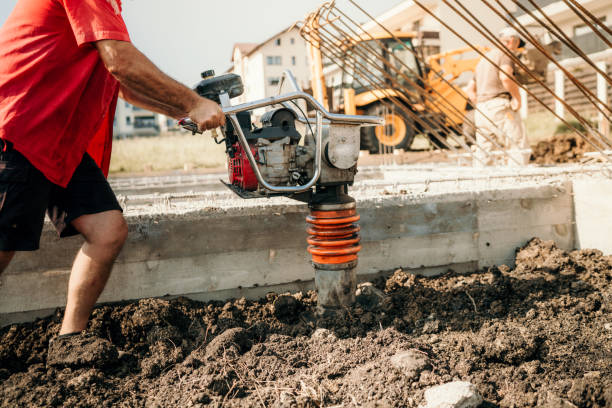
(246, 51)
(245, 48)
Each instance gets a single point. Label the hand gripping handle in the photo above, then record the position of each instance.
(189, 125)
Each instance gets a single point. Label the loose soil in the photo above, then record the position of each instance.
(562, 148)
(536, 335)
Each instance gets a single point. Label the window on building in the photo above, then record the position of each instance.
(293, 61)
(582, 29)
(292, 41)
(273, 81)
(128, 120)
(274, 60)
(145, 122)
(278, 41)
(127, 105)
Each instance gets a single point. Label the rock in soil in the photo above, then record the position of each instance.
(533, 335)
(411, 363)
(456, 394)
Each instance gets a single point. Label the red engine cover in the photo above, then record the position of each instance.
(241, 173)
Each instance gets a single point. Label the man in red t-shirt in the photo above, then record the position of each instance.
(63, 64)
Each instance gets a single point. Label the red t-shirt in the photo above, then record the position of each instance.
(57, 100)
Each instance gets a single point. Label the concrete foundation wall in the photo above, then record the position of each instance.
(248, 251)
(593, 209)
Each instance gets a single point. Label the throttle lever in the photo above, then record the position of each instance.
(189, 125)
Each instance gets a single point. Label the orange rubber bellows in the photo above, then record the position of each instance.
(333, 236)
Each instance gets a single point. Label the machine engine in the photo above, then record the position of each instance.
(284, 156)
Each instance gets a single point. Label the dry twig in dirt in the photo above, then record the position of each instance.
(472, 299)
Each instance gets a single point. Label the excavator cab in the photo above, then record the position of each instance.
(385, 53)
(362, 90)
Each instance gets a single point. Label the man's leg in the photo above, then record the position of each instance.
(484, 147)
(517, 140)
(104, 233)
(5, 259)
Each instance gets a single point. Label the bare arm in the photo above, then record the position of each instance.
(145, 85)
(150, 104)
(506, 76)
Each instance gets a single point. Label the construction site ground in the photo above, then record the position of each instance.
(536, 335)
(560, 148)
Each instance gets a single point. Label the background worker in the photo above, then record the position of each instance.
(498, 102)
(63, 64)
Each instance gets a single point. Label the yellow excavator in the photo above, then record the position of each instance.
(387, 75)
(382, 75)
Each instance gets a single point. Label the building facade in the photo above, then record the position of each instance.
(133, 121)
(261, 65)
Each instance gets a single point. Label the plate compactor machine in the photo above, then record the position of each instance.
(316, 167)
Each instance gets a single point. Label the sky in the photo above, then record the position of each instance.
(186, 37)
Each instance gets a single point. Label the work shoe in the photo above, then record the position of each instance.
(80, 349)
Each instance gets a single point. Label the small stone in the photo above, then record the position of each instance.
(456, 394)
(411, 363)
(608, 326)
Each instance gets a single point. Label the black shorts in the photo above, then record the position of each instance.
(25, 196)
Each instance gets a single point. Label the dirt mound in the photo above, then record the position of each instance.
(81, 351)
(563, 148)
(536, 335)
